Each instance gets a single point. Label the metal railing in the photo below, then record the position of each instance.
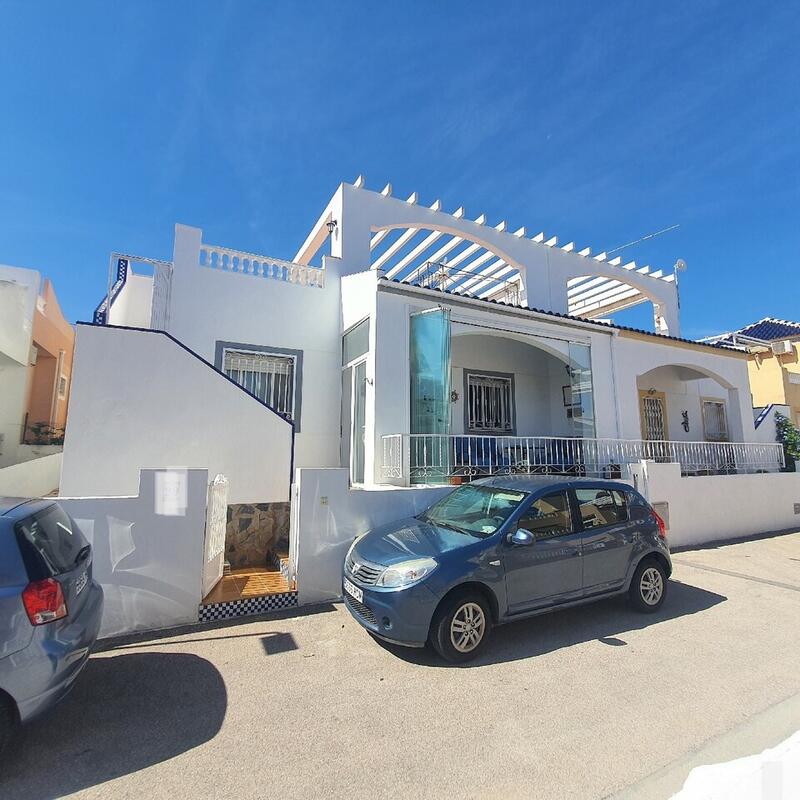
(227, 260)
(436, 457)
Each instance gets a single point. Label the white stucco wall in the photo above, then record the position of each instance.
(133, 305)
(148, 562)
(139, 401)
(34, 478)
(327, 515)
(638, 357)
(209, 305)
(18, 291)
(711, 508)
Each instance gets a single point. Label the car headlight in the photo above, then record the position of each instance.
(407, 573)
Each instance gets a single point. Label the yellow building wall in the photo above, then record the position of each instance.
(772, 379)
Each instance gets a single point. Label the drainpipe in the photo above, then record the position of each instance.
(54, 398)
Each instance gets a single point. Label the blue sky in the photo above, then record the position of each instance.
(596, 122)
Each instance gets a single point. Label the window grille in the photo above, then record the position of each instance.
(489, 403)
(271, 378)
(715, 421)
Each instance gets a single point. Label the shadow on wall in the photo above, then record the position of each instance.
(606, 621)
(126, 712)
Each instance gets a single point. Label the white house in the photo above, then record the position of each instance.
(427, 347)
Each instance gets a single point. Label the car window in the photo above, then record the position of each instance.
(549, 516)
(49, 542)
(474, 509)
(599, 507)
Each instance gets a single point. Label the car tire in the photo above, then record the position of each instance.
(8, 721)
(648, 586)
(461, 627)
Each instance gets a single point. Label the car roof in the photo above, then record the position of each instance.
(535, 483)
(16, 506)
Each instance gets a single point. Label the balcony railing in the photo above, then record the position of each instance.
(237, 261)
(421, 458)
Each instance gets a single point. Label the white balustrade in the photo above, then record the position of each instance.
(437, 456)
(227, 260)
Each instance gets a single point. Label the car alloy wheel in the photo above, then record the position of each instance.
(651, 586)
(467, 627)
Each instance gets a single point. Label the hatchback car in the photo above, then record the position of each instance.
(50, 608)
(502, 549)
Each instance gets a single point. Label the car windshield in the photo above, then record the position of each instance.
(474, 510)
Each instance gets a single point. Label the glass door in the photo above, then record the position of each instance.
(359, 422)
(430, 396)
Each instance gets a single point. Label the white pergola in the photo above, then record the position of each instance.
(422, 244)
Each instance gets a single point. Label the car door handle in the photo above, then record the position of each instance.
(494, 563)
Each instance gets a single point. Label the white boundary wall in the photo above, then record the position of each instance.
(711, 508)
(33, 478)
(327, 515)
(139, 400)
(147, 550)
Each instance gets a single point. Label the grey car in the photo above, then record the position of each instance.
(501, 549)
(50, 608)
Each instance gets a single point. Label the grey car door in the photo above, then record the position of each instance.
(608, 536)
(548, 570)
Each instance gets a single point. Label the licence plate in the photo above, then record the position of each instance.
(353, 591)
(80, 584)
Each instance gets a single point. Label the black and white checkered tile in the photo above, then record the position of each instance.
(247, 606)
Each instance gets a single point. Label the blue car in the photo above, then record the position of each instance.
(502, 549)
(50, 608)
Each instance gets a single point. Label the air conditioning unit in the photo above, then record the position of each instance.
(782, 348)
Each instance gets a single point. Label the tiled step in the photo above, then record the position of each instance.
(247, 591)
(281, 562)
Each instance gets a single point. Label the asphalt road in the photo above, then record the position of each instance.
(586, 703)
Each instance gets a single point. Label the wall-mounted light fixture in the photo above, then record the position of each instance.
(331, 225)
(651, 391)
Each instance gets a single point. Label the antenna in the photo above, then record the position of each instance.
(644, 238)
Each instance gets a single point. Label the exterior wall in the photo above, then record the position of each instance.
(149, 562)
(133, 305)
(209, 305)
(54, 339)
(254, 531)
(544, 269)
(139, 399)
(776, 379)
(712, 508)
(389, 395)
(636, 358)
(33, 478)
(328, 515)
(538, 380)
(767, 432)
(18, 289)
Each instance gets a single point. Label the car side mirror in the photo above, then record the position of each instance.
(521, 537)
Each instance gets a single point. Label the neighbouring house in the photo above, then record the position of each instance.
(773, 348)
(403, 346)
(36, 346)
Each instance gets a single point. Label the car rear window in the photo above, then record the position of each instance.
(601, 507)
(49, 542)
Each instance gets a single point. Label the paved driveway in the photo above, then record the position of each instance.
(585, 703)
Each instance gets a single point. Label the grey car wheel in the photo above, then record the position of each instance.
(648, 586)
(461, 626)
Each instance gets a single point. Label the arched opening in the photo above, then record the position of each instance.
(683, 403)
(602, 298)
(446, 259)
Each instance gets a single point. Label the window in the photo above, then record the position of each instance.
(49, 543)
(270, 377)
(490, 403)
(62, 386)
(715, 423)
(473, 509)
(601, 507)
(355, 342)
(548, 517)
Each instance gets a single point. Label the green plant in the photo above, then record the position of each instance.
(787, 433)
(42, 433)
